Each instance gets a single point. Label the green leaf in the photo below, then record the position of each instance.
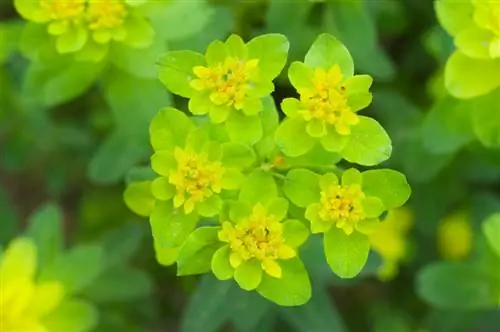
(491, 228)
(249, 274)
(126, 94)
(57, 82)
(301, 187)
(221, 267)
(176, 71)
(368, 144)
(447, 126)
(486, 124)
(121, 243)
(467, 78)
(203, 315)
(170, 227)
(75, 269)
(45, 228)
(292, 289)
(139, 198)
(295, 233)
(249, 310)
(352, 23)
(272, 51)
(457, 286)
(388, 185)
(242, 128)
(319, 314)
(8, 226)
(292, 138)
(259, 187)
(72, 315)
(169, 128)
(115, 157)
(236, 154)
(300, 76)
(120, 284)
(196, 253)
(346, 254)
(327, 51)
(454, 15)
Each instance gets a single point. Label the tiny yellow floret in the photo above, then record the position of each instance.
(227, 82)
(195, 178)
(67, 10)
(342, 206)
(455, 236)
(258, 236)
(327, 100)
(106, 14)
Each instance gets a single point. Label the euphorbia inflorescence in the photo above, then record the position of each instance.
(231, 194)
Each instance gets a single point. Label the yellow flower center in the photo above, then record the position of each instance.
(67, 10)
(327, 101)
(455, 236)
(195, 179)
(227, 82)
(259, 236)
(342, 206)
(106, 14)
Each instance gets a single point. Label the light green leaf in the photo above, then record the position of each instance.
(73, 315)
(272, 51)
(327, 51)
(196, 253)
(278, 207)
(368, 144)
(75, 269)
(120, 284)
(45, 228)
(346, 254)
(454, 15)
(292, 289)
(242, 128)
(351, 176)
(301, 187)
(295, 233)
(170, 227)
(259, 187)
(491, 228)
(72, 40)
(467, 78)
(457, 286)
(388, 185)
(176, 71)
(221, 267)
(161, 188)
(300, 76)
(249, 274)
(169, 128)
(236, 154)
(292, 137)
(485, 122)
(139, 198)
(210, 207)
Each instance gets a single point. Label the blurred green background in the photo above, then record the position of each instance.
(72, 135)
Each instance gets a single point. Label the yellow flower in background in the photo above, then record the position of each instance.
(455, 236)
(390, 241)
(24, 302)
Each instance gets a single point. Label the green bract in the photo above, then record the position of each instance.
(346, 210)
(474, 68)
(330, 96)
(256, 245)
(229, 81)
(226, 176)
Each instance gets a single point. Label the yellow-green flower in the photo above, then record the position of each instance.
(390, 241)
(86, 27)
(28, 305)
(258, 236)
(455, 236)
(474, 68)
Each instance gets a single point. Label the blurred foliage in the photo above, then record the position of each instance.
(73, 133)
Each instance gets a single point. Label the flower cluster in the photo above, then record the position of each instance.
(473, 69)
(228, 194)
(86, 27)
